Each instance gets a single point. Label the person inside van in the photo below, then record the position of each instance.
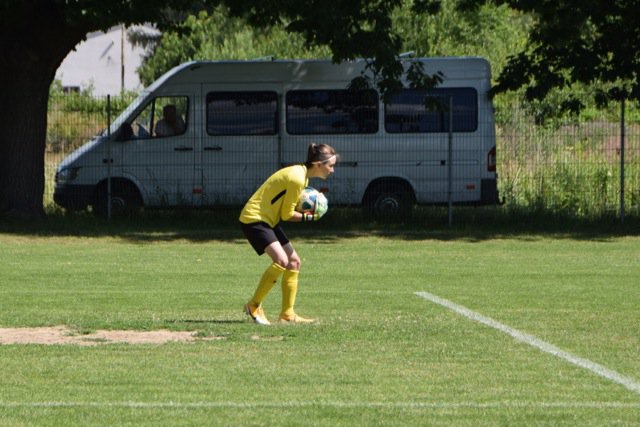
(171, 123)
(273, 202)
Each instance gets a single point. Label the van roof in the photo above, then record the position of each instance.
(453, 68)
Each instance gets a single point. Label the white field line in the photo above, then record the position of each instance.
(323, 404)
(531, 340)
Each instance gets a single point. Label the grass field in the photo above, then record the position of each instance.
(380, 354)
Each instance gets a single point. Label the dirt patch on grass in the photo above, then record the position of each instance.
(58, 335)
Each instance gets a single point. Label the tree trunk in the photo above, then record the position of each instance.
(22, 139)
(30, 56)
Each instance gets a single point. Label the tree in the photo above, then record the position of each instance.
(576, 42)
(493, 32)
(490, 31)
(36, 35)
(217, 36)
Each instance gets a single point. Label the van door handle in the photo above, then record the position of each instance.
(214, 148)
(183, 148)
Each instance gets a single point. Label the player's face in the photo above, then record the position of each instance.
(326, 168)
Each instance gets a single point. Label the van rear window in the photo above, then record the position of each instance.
(313, 112)
(418, 110)
(242, 113)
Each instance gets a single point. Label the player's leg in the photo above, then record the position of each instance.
(268, 279)
(290, 282)
(264, 239)
(271, 274)
(290, 287)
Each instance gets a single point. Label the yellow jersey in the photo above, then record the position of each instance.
(277, 197)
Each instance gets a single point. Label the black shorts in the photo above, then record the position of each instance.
(261, 235)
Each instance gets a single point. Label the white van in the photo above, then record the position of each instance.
(231, 124)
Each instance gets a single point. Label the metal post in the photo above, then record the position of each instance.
(622, 160)
(122, 35)
(108, 157)
(450, 163)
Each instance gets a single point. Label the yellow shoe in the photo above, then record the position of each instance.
(294, 318)
(257, 313)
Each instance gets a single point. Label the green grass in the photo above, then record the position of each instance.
(380, 355)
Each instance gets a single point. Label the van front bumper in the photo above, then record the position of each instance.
(74, 197)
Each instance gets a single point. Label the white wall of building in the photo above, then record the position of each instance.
(99, 61)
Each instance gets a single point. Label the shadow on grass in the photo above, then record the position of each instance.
(426, 223)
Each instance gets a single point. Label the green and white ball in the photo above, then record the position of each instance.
(312, 201)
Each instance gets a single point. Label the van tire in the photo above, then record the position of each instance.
(389, 200)
(125, 199)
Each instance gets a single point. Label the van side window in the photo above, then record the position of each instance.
(312, 112)
(242, 113)
(163, 116)
(418, 110)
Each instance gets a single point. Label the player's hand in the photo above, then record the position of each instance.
(321, 209)
(310, 216)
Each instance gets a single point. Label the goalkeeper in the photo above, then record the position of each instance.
(273, 202)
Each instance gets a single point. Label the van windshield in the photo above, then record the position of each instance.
(126, 114)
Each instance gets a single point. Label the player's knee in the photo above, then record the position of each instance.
(282, 262)
(294, 263)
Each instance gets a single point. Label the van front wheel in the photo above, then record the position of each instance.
(125, 199)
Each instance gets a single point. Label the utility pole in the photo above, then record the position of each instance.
(122, 59)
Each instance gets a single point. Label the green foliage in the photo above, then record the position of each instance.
(218, 36)
(574, 42)
(492, 32)
(76, 117)
(571, 168)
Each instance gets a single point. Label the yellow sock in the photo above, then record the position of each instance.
(268, 279)
(289, 291)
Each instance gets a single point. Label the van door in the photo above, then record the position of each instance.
(240, 145)
(160, 155)
(419, 120)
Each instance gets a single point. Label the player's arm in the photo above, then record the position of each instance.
(295, 187)
(291, 197)
(291, 214)
(288, 209)
(298, 217)
(305, 217)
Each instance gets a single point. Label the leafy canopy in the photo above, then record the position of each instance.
(574, 43)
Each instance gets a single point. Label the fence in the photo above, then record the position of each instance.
(570, 168)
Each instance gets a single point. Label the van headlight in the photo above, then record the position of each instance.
(66, 175)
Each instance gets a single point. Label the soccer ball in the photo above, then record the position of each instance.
(312, 201)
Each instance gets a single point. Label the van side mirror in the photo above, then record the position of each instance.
(125, 132)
